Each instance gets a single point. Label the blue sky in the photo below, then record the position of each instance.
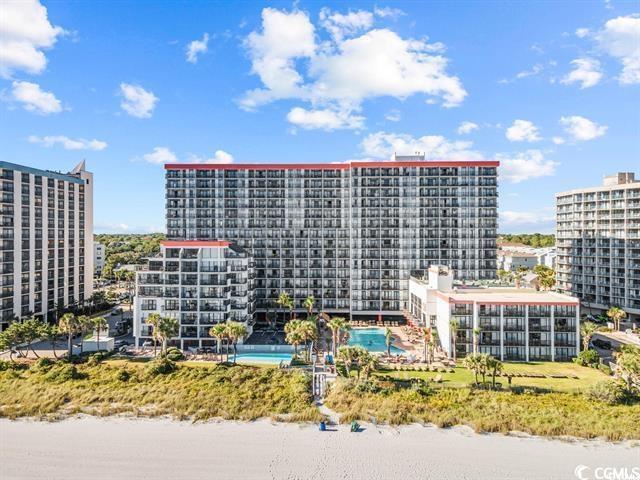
(551, 89)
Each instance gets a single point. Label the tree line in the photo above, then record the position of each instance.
(536, 240)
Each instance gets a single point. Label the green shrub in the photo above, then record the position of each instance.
(160, 366)
(6, 365)
(43, 365)
(174, 354)
(588, 358)
(96, 358)
(613, 392)
(123, 375)
(62, 372)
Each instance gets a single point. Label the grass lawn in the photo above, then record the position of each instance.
(191, 392)
(462, 377)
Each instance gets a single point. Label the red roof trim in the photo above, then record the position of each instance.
(195, 243)
(330, 166)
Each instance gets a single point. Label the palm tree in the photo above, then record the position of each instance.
(616, 314)
(519, 274)
(367, 363)
(84, 323)
(51, 333)
(388, 339)
(219, 332)
(336, 324)
(308, 332)
(308, 304)
(167, 328)
(285, 301)
(476, 339)
(347, 355)
(154, 320)
(503, 276)
(495, 366)
(587, 329)
(453, 327)
(99, 323)
(473, 363)
(628, 365)
(432, 344)
(235, 330)
(70, 325)
(294, 337)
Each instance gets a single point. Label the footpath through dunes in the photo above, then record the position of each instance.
(163, 448)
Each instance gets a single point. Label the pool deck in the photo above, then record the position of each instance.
(411, 347)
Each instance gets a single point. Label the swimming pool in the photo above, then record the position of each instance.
(269, 358)
(373, 339)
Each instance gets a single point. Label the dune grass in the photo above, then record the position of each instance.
(463, 377)
(191, 392)
(548, 414)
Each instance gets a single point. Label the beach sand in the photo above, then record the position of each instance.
(129, 448)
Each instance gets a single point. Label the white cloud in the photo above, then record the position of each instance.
(220, 157)
(159, 156)
(34, 99)
(587, 72)
(524, 166)
(535, 70)
(393, 115)
(582, 32)
(467, 127)
(25, 31)
(522, 131)
(137, 101)
(197, 47)
(284, 38)
(341, 26)
(581, 128)
(388, 12)
(68, 143)
(325, 119)
(558, 140)
(341, 73)
(541, 218)
(383, 145)
(620, 38)
(101, 227)
(162, 155)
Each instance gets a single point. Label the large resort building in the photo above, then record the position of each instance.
(512, 324)
(349, 234)
(598, 244)
(46, 240)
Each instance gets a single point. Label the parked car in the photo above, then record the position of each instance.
(601, 344)
(121, 343)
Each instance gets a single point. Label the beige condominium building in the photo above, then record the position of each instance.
(598, 244)
(46, 240)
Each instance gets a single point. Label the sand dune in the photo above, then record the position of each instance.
(94, 448)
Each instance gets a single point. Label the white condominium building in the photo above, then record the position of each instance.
(512, 324)
(349, 234)
(200, 283)
(598, 243)
(99, 257)
(46, 240)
